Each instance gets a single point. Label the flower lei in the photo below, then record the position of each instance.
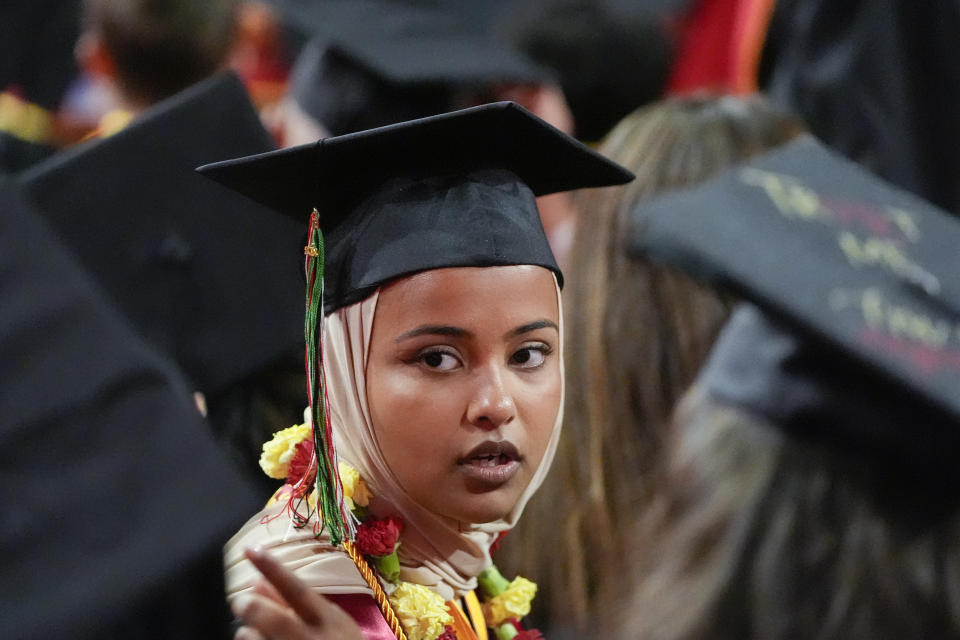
(423, 613)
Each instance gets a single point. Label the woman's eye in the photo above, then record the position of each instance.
(530, 357)
(439, 360)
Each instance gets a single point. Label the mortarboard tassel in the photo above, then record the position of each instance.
(330, 503)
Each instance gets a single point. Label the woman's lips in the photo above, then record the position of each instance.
(490, 465)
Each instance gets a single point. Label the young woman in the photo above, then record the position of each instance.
(442, 372)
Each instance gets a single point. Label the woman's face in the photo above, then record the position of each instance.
(463, 382)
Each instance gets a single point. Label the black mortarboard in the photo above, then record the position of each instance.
(408, 45)
(456, 189)
(859, 337)
(116, 500)
(201, 272)
(373, 64)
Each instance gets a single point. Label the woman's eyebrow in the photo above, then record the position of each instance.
(434, 330)
(532, 326)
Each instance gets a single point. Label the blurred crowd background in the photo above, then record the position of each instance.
(851, 70)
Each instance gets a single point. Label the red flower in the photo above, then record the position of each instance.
(528, 634)
(448, 634)
(379, 537)
(300, 463)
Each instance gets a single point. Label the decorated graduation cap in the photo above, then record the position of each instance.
(116, 500)
(453, 190)
(373, 64)
(854, 333)
(201, 271)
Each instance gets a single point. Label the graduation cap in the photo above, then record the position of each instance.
(373, 64)
(116, 500)
(857, 337)
(305, 19)
(202, 272)
(456, 189)
(411, 45)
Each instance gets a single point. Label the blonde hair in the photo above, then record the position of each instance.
(637, 334)
(756, 534)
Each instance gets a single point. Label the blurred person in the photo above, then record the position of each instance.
(371, 64)
(876, 80)
(197, 270)
(116, 500)
(262, 54)
(638, 334)
(610, 60)
(808, 488)
(147, 50)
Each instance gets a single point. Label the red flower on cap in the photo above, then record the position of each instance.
(379, 537)
(448, 634)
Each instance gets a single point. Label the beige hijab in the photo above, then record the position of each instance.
(434, 553)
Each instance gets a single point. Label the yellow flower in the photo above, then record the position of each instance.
(422, 612)
(355, 490)
(280, 494)
(276, 456)
(512, 603)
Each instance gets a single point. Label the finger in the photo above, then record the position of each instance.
(248, 633)
(267, 590)
(267, 617)
(309, 606)
(316, 611)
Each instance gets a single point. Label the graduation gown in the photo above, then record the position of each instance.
(878, 81)
(116, 500)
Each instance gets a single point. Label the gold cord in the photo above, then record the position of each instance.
(378, 593)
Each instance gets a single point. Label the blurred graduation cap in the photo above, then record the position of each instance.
(407, 45)
(371, 64)
(116, 500)
(306, 19)
(857, 337)
(457, 189)
(202, 273)
(377, 66)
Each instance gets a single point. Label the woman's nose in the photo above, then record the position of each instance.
(492, 403)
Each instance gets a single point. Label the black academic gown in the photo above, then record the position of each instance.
(877, 80)
(116, 501)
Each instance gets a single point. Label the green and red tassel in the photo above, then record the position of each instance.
(333, 516)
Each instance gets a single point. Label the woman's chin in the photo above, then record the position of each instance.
(483, 508)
